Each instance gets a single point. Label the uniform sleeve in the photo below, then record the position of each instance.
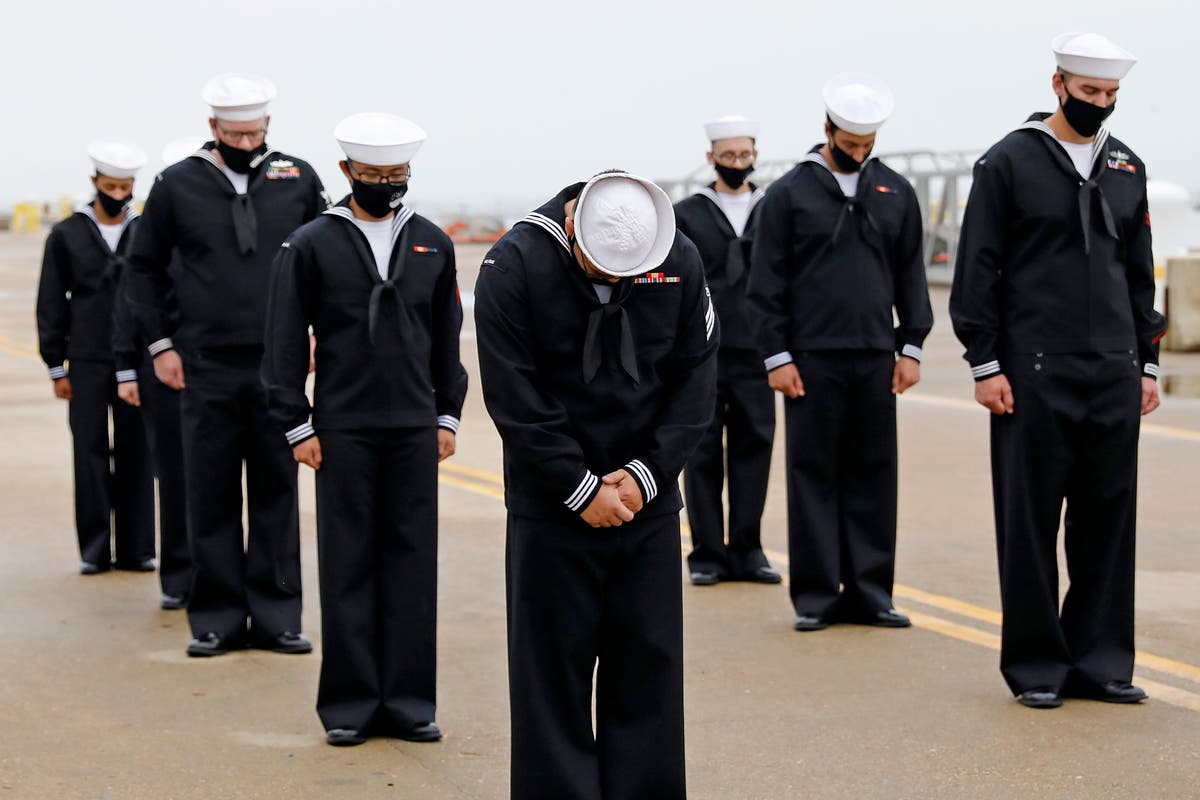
(690, 378)
(291, 304)
(449, 375)
(150, 287)
(1149, 325)
(913, 308)
(53, 307)
(975, 293)
(124, 333)
(534, 425)
(768, 285)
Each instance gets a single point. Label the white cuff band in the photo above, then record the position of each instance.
(645, 479)
(126, 375)
(448, 422)
(985, 370)
(300, 433)
(778, 360)
(1151, 370)
(912, 351)
(161, 346)
(582, 492)
(58, 372)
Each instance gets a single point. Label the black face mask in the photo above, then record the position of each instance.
(1085, 118)
(844, 161)
(239, 160)
(378, 199)
(733, 177)
(112, 206)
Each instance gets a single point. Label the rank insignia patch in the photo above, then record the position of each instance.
(1120, 161)
(656, 277)
(884, 189)
(282, 171)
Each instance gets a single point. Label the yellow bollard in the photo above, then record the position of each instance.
(26, 218)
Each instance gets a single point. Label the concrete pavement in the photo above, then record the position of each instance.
(97, 699)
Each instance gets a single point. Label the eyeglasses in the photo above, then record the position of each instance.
(251, 137)
(374, 178)
(728, 158)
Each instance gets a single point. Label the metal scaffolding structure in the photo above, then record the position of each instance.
(941, 181)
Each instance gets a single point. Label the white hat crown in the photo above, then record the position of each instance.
(115, 158)
(1091, 55)
(379, 139)
(858, 103)
(624, 224)
(733, 126)
(238, 96)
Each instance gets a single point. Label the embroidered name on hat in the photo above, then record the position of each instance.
(1120, 161)
(656, 277)
(422, 249)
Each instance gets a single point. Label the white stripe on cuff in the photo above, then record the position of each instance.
(126, 375)
(984, 370)
(1151, 370)
(645, 478)
(162, 345)
(778, 360)
(912, 351)
(448, 422)
(58, 372)
(299, 433)
(582, 492)
(710, 320)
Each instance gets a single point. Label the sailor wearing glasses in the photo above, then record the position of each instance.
(223, 212)
(377, 284)
(720, 220)
(837, 252)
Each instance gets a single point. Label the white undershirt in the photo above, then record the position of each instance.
(240, 182)
(603, 292)
(111, 234)
(736, 208)
(1081, 155)
(848, 181)
(379, 236)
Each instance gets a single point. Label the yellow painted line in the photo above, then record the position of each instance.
(1144, 660)
(1149, 428)
(471, 486)
(17, 343)
(471, 472)
(24, 354)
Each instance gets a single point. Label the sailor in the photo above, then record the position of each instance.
(837, 251)
(377, 284)
(83, 262)
(1053, 298)
(720, 221)
(597, 349)
(159, 404)
(223, 213)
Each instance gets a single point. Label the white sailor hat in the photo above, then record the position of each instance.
(624, 224)
(116, 159)
(731, 127)
(177, 150)
(379, 140)
(238, 97)
(858, 103)
(1091, 55)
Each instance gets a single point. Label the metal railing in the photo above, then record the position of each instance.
(940, 179)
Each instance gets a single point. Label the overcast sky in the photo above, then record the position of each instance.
(522, 98)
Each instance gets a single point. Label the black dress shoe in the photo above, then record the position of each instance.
(1042, 697)
(705, 577)
(422, 732)
(810, 622)
(344, 737)
(173, 602)
(1116, 692)
(142, 565)
(888, 619)
(90, 568)
(764, 574)
(211, 644)
(286, 642)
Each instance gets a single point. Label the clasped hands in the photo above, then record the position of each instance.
(618, 500)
